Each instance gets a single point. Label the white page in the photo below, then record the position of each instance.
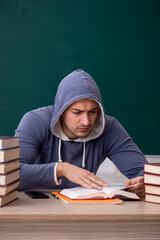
(76, 191)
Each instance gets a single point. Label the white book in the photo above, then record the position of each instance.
(112, 191)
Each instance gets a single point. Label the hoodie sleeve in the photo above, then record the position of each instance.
(123, 152)
(32, 133)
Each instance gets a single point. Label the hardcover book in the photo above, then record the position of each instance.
(5, 189)
(113, 191)
(152, 198)
(152, 189)
(8, 198)
(9, 154)
(152, 168)
(8, 142)
(9, 166)
(5, 179)
(151, 178)
(89, 201)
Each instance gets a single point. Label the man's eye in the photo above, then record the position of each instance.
(76, 113)
(95, 111)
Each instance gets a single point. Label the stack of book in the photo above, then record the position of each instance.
(152, 182)
(9, 169)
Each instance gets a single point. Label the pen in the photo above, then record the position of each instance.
(55, 196)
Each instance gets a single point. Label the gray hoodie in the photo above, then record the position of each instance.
(44, 144)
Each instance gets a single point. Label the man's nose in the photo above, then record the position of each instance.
(85, 120)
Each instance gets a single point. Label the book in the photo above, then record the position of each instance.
(10, 177)
(152, 168)
(152, 198)
(8, 142)
(89, 201)
(9, 166)
(152, 189)
(151, 178)
(8, 198)
(9, 154)
(5, 189)
(152, 182)
(113, 191)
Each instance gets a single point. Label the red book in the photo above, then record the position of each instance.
(152, 189)
(152, 198)
(151, 178)
(152, 167)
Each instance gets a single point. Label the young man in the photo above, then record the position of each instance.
(64, 144)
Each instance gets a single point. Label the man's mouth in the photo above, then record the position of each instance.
(83, 129)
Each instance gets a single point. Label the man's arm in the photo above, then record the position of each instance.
(127, 157)
(123, 151)
(31, 133)
(137, 186)
(80, 176)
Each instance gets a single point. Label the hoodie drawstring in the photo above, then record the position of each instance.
(84, 153)
(59, 151)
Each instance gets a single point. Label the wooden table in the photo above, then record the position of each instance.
(28, 218)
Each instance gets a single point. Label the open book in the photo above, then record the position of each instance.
(113, 191)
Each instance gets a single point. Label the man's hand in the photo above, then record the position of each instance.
(80, 176)
(137, 186)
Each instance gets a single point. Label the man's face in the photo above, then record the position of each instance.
(78, 119)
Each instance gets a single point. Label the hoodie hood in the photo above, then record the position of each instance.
(75, 86)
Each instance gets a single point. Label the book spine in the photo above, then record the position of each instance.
(154, 174)
(152, 194)
(151, 184)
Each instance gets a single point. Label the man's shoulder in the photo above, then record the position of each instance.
(43, 111)
(111, 123)
(42, 114)
(109, 119)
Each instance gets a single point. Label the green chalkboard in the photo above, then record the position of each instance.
(116, 42)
